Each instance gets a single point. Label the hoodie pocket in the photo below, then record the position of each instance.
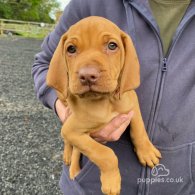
(74, 187)
(87, 182)
(175, 174)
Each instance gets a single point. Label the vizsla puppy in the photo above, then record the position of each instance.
(95, 70)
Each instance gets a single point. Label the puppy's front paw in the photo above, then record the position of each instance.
(148, 154)
(111, 183)
(74, 170)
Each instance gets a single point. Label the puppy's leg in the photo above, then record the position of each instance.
(74, 166)
(101, 155)
(71, 157)
(67, 152)
(147, 153)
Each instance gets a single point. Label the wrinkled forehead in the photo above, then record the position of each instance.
(94, 27)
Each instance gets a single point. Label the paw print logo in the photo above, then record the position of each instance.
(160, 171)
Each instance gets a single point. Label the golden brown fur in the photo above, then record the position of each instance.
(94, 104)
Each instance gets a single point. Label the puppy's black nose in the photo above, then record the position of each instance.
(88, 75)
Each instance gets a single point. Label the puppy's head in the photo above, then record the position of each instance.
(94, 57)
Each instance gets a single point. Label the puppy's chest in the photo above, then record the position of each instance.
(92, 111)
(94, 114)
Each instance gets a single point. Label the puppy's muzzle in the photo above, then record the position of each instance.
(88, 76)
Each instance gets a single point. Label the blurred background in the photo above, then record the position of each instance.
(29, 18)
(30, 142)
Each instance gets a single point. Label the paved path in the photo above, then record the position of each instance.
(30, 143)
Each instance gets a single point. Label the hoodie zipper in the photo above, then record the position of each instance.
(164, 69)
(164, 66)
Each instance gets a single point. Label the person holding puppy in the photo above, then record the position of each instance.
(163, 35)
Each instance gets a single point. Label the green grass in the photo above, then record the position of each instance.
(28, 30)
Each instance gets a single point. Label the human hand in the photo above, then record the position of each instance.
(62, 111)
(114, 129)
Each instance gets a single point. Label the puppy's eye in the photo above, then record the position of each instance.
(112, 46)
(71, 49)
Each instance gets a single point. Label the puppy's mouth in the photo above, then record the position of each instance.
(93, 95)
(91, 91)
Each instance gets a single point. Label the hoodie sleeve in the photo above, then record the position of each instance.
(74, 11)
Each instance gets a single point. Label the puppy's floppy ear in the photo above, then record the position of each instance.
(130, 77)
(57, 76)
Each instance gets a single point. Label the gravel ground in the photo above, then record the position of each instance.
(30, 143)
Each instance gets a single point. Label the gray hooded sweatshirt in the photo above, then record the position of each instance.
(166, 96)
